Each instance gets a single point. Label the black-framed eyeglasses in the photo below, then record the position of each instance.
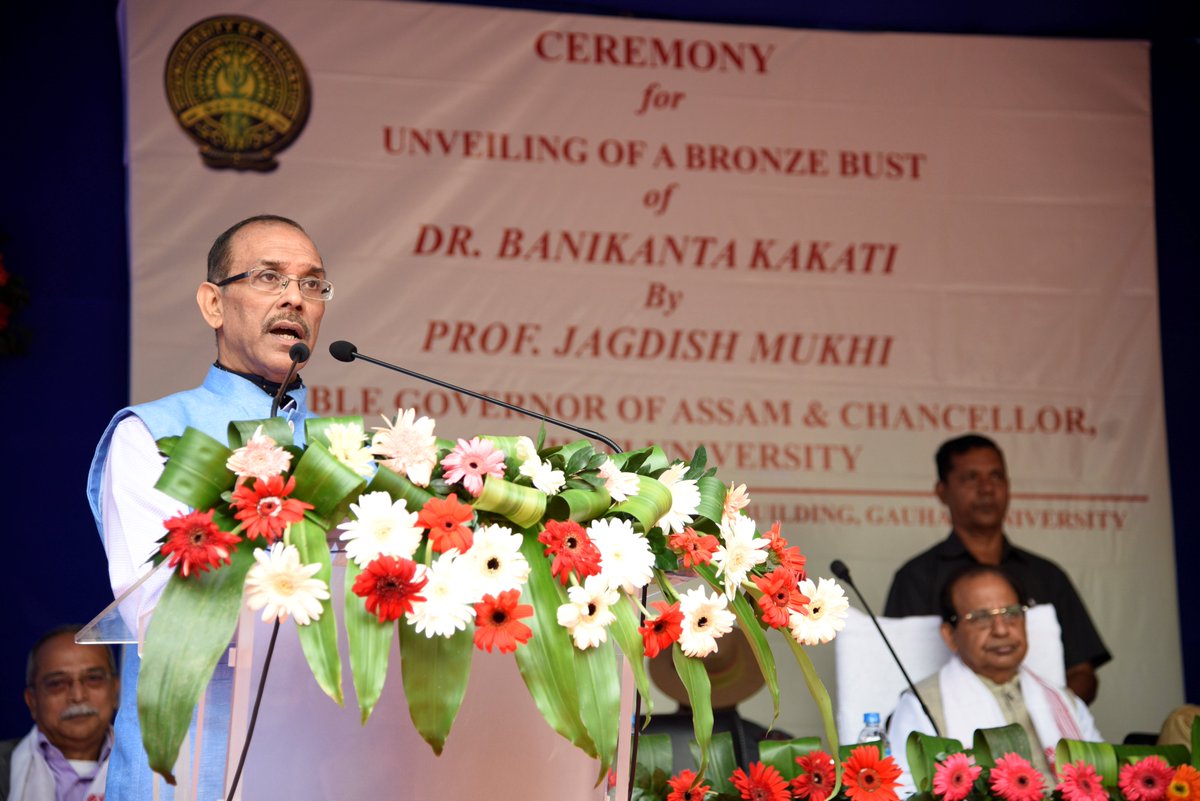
(60, 683)
(982, 618)
(264, 279)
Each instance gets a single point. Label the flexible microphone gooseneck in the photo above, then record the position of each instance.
(345, 351)
(842, 572)
(298, 353)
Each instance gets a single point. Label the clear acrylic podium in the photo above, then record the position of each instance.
(307, 748)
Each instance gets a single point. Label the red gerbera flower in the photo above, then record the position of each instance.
(953, 778)
(1079, 782)
(389, 586)
(1146, 779)
(267, 510)
(780, 593)
(817, 779)
(572, 549)
(789, 557)
(446, 521)
(497, 622)
(1014, 779)
(659, 632)
(763, 784)
(695, 548)
(868, 777)
(1185, 786)
(682, 789)
(197, 543)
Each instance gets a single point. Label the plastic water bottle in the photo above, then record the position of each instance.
(872, 730)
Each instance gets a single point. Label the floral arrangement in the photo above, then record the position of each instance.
(492, 543)
(790, 770)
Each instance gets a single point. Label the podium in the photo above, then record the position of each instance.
(307, 748)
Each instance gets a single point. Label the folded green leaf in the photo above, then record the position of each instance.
(1100, 756)
(578, 505)
(400, 488)
(327, 484)
(924, 751)
(654, 766)
(783, 753)
(277, 428)
(196, 472)
(524, 506)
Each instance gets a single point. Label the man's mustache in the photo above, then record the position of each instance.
(78, 711)
(288, 317)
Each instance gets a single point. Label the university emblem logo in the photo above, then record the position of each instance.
(239, 90)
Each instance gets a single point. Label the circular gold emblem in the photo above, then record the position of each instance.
(239, 89)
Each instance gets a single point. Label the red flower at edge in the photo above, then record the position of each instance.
(1014, 779)
(789, 557)
(869, 777)
(498, 624)
(1146, 779)
(695, 548)
(446, 521)
(572, 549)
(267, 510)
(817, 779)
(682, 789)
(389, 587)
(780, 594)
(659, 632)
(764, 783)
(197, 543)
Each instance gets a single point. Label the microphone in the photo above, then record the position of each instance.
(298, 353)
(345, 351)
(842, 572)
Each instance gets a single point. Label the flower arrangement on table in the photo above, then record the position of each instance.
(998, 769)
(492, 543)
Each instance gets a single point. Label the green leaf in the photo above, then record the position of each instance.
(319, 638)
(1100, 756)
(654, 765)
(783, 753)
(648, 506)
(327, 484)
(600, 700)
(712, 500)
(370, 643)
(696, 465)
(1174, 755)
(400, 489)
(196, 472)
(924, 751)
(820, 695)
(547, 660)
(625, 631)
(524, 506)
(578, 505)
(721, 763)
(991, 743)
(277, 428)
(699, 691)
(191, 627)
(435, 671)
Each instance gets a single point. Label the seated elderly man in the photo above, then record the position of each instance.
(985, 685)
(71, 691)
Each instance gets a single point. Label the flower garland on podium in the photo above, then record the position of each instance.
(496, 543)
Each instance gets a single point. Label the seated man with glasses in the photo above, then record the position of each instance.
(264, 291)
(985, 685)
(71, 691)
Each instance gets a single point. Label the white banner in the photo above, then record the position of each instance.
(817, 254)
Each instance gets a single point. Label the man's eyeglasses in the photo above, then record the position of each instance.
(265, 279)
(982, 618)
(60, 683)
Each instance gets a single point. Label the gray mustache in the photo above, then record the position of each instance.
(290, 318)
(78, 711)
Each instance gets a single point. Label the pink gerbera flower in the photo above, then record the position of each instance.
(1146, 779)
(472, 462)
(954, 777)
(1014, 779)
(1079, 782)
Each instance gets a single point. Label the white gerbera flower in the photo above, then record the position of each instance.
(447, 607)
(741, 553)
(280, 586)
(494, 562)
(526, 450)
(407, 446)
(346, 443)
(588, 613)
(705, 619)
(685, 499)
(543, 475)
(259, 458)
(380, 528)
(626, 560)
(621, 486)
(823, 616)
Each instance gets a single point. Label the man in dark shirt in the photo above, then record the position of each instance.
(973, 484)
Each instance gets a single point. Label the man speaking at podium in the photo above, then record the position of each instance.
(265, 291)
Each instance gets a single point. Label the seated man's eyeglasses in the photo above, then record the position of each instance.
(265, 279)
(982, 618)
(59, 683)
